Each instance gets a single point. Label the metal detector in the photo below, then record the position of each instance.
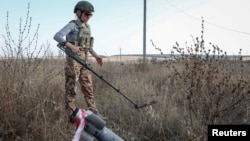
(84, 64)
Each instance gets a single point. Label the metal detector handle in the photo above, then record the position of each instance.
(84, 64)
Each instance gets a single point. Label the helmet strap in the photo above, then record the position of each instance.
(80, 17)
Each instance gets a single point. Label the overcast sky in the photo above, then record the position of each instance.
(117, 25)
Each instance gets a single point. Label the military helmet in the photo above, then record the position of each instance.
(84, 6)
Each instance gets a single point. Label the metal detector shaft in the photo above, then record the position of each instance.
(83, 63)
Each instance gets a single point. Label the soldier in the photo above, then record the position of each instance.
(80, 41)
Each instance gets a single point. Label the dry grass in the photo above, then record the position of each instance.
(32, 106)
(195, 88)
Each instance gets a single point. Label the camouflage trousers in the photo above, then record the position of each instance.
(75, 72)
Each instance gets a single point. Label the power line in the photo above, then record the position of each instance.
(216, 25)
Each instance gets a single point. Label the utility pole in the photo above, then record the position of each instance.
(144, 30)
(120, 56)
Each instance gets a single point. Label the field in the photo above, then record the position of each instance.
(194, 86)
(191, 94)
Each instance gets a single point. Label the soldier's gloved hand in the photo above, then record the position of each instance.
(75, 49)
(99, 61)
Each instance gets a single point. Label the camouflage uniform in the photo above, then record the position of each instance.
(75, 72)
